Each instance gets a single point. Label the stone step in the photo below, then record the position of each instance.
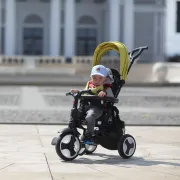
(132, 116)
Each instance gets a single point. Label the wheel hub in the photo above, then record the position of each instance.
(69, 146)
(129, 146)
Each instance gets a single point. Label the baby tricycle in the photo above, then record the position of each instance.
(109, 129)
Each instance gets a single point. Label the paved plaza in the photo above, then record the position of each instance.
(26, 153)
(137, 105)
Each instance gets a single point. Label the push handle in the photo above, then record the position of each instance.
(137, 52)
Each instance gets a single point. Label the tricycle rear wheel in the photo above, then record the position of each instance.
(126, 146)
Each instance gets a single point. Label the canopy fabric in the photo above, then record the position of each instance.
(120, 48)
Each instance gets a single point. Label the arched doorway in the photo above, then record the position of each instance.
(33, 35)
(86, 36)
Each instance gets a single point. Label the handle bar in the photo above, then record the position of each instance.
(69, 93)
(79, 93)
(138, 51)
(133, 57)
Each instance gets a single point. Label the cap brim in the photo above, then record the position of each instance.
(98, 74)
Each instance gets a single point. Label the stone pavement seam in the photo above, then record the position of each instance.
(7, 166)
(39, 136)
(49, 167)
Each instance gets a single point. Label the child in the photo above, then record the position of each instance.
(101, 81)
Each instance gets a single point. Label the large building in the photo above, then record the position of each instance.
(173, 27)
(75, 27)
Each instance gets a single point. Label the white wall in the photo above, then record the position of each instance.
(172, 38)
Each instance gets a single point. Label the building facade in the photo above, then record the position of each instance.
(75, 27)
(173, 27)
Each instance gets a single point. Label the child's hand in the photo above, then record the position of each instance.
(74, 91)
(102, 94)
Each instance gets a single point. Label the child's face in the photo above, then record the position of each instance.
(98, 80)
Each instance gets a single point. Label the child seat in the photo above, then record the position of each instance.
(117, 84)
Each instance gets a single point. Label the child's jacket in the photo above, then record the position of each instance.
(106, 86)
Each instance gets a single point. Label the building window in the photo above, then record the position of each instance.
(33, 19)
(45, 1)
(86, 36)
(2, 16)
(145, 2)
(2, 40)
(87, 20)
(33, 35)
(99, 1)
(86, 41)
(62, 41)
(178, 17)
(21, 0)
(33, 41)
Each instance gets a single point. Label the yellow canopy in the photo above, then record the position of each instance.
(120, 48)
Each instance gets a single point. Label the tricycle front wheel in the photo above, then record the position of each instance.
(68, 146)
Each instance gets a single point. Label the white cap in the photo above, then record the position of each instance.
(99, 70)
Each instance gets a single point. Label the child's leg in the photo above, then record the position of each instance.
(92, 114)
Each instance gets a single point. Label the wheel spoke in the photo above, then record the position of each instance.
(69, 146)
(126, 146)
(129, 146)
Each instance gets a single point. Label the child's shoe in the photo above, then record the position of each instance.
(88, 139)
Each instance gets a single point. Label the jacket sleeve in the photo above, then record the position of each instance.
(86, 87)
(109, 92)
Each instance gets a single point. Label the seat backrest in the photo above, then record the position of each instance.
(117, 84)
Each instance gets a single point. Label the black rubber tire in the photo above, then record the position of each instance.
(58, 149)
(120, 145)
(86, 150)
(82, 153)
(90, 152)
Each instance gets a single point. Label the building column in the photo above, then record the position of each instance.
(129, 24)
(114, 20)
(70, 29)
(10, 29)
(55, 27)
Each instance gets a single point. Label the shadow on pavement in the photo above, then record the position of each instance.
(117, 160)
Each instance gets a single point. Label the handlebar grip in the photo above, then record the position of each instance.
(144, 47)
(69, 93)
